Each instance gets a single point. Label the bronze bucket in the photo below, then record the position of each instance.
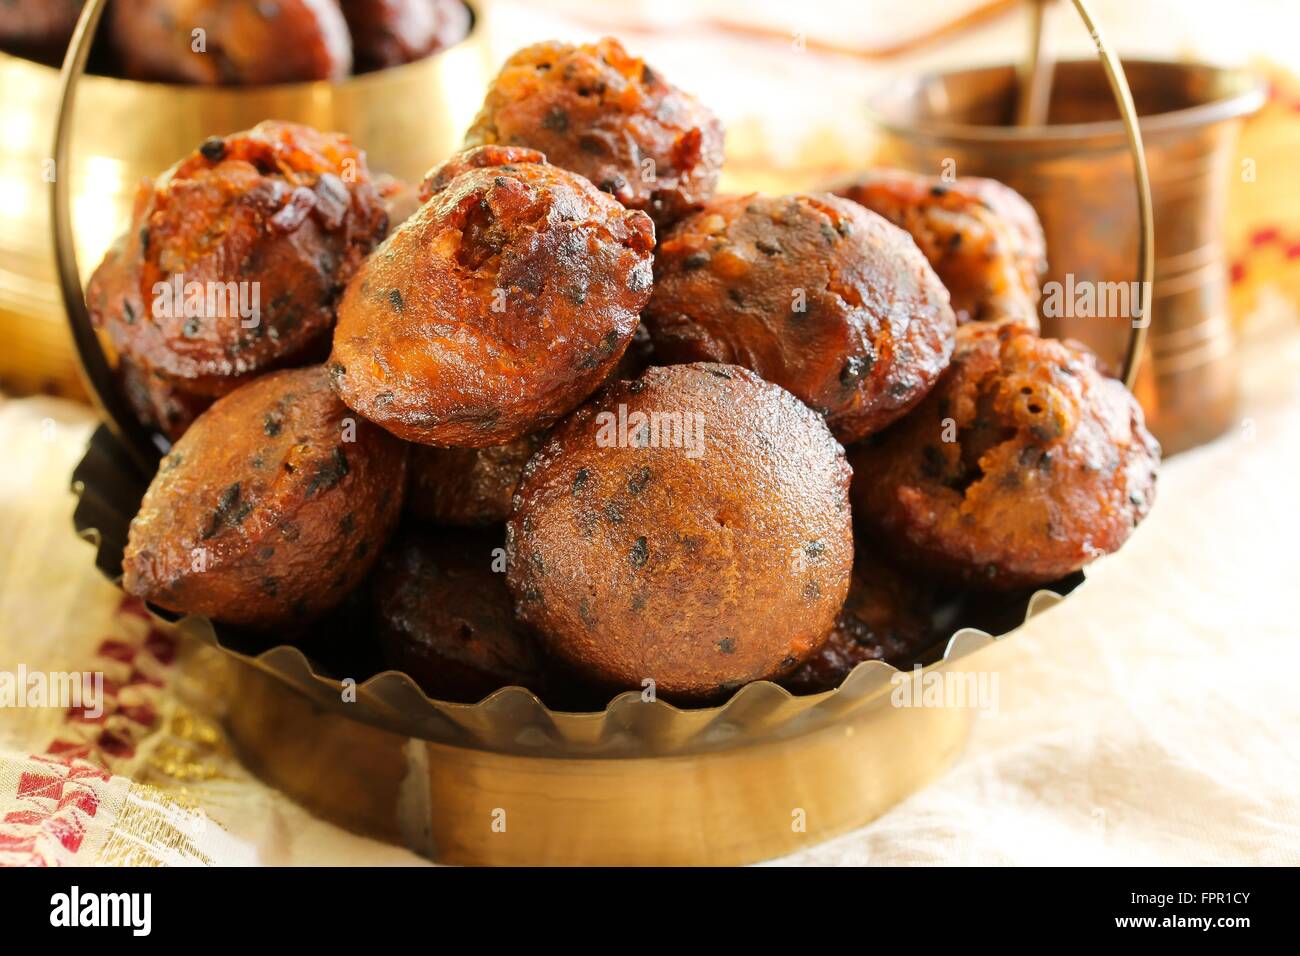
(1078, 173)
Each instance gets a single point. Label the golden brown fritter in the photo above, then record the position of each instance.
(244, 43)
(467, 486)
(271, 507)
(501, 304)
(815, 294)
(236, 257)
(1024, 464)
(690, 527)
(157, 403)
(445, 618)
(602, 113)
(887, 617)
(392, 32)
(983, 239)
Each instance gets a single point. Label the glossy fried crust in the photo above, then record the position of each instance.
(445, 618)
(885, 618)
(245, 43)
(1047, 464)
(701, 552)
(501, 304)
(812, 292)
(605, 114)
(391, 32)
(278, 217)
(271, 507)
(467, 486)
(982, 238)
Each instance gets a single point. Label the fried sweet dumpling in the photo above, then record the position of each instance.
(886, 617)
(392, 32)
(501, 304)
(467, 486)
(236, 257)
(600, 112)
(812, 292)
(982, 238)
(444, 616)
(271, 507)
(689, 527)
(1024, 464)
(231, 42)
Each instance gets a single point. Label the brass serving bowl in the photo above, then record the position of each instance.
(508, 780)
(407, 118)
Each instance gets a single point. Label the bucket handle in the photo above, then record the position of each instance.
(1146, 225)
(98, 377)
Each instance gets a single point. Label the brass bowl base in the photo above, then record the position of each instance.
(473, 807)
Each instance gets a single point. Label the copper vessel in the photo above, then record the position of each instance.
(1078, 173)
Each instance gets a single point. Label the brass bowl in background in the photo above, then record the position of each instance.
(1077, 172)
(406, 118)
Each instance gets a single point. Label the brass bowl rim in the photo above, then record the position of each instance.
(1251, 94)
(307, 89)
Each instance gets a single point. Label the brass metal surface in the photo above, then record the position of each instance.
(406, 118)
(763, 798)
(1078, 173)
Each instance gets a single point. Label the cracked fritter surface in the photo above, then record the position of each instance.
(501, 304)
(445, 617)
(982, 238)
(467, 486)
(886, 617)
(275, 219)
(700, 552)
(391, 32)
(244, 43)
(814, 293)
(1024, 464)
(271, 507)
(602, 113)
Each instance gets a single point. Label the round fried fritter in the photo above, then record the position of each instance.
(445, 618)
(392, 32)
(815, 294)
(885, 618)
(44, 25)
(1024, 464)
(244, 42)
(982, 238)
(157, 403)
(501, 304)
(690, 527)
(237, 256)
(467, 486)
(271, 507)
(605, 114)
